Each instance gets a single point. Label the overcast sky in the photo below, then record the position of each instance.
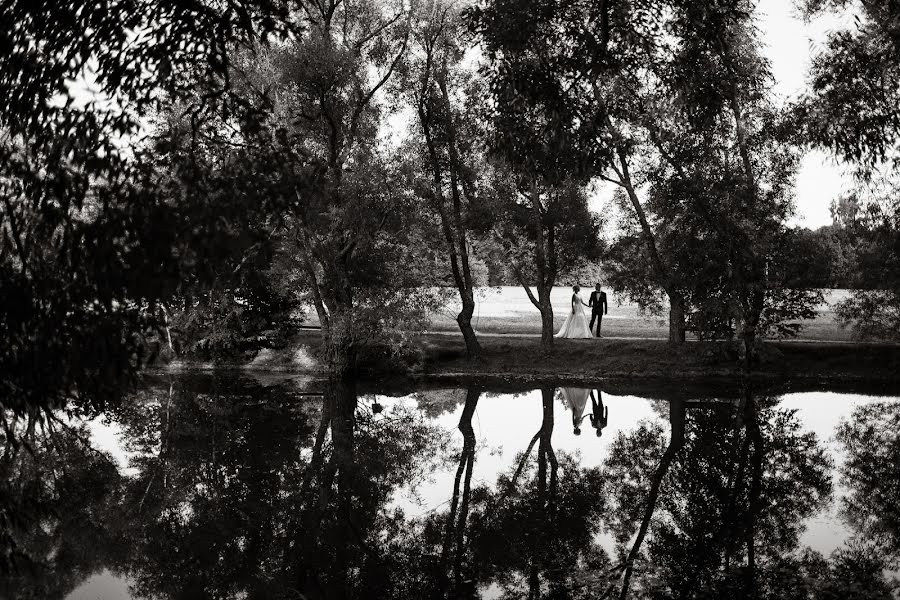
(790, 43)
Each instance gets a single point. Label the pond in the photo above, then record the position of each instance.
(230, 486)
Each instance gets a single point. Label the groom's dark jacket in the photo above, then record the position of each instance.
(598, 302)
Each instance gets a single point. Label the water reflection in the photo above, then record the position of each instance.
(235, 488)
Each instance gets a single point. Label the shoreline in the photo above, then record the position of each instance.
(432, 359)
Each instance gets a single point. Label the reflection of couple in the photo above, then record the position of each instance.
(576, 323)
(576, 399)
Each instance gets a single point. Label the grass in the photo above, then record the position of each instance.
(506, 310)
(633, 365)
(633, 349)
(576, 360)
(823, 328)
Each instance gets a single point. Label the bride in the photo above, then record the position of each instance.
(576, 324)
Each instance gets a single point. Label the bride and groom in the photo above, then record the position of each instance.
(576, 323)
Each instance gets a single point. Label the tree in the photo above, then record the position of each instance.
(449, 133)
(321, 186)
(545, 234)
(86, 245)
(852, 111)
(852, 105)
(606, 84)
(871, 229)
(535, 125)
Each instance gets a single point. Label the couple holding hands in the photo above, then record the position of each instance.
(576, 323)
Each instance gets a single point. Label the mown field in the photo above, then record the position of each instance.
(507, 310)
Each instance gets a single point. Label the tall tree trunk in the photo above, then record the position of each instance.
(542, 303)
(545, 267)
(676, 318)
(451, 222)
(750, 322)
(546, 309)
(456, 175)
(663, 276)
(464, 320)
(340, 350)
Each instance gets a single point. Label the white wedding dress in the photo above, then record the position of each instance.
(575, 400)
(576, 324)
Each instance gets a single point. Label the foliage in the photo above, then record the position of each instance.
(852, 107)
(88, 246)
(564, 215)
(871, 440)
(709, 504)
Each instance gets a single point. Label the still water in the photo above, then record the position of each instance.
(231, 487)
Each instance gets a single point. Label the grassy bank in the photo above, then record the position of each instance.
(520, 360)
(591, 359)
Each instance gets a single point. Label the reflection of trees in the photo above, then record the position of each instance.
(676, 441)
(207, 504)
(243, 491)
(57, 508)
(454, 533)
(871, 439)
(535, 534)
(729, 502)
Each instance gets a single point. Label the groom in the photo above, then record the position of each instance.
(599, 308)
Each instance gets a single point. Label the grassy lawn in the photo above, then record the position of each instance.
(508, 311)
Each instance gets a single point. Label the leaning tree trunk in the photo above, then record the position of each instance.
(452, 223)
(464, 320)
(676, 441)
(663, 274)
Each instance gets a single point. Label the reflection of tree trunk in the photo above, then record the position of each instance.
(338, 411)
(546, 502)
(755, 435)
(736, 485)
(545, 449)
(676, 441)
(162, 457)
(454, 533)
(343, 440)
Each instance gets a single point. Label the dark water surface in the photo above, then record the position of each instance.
(225, 487)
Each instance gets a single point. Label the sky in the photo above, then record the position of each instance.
(789, 45)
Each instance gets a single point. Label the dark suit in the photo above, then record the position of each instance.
(599, 308)
(599, 413)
